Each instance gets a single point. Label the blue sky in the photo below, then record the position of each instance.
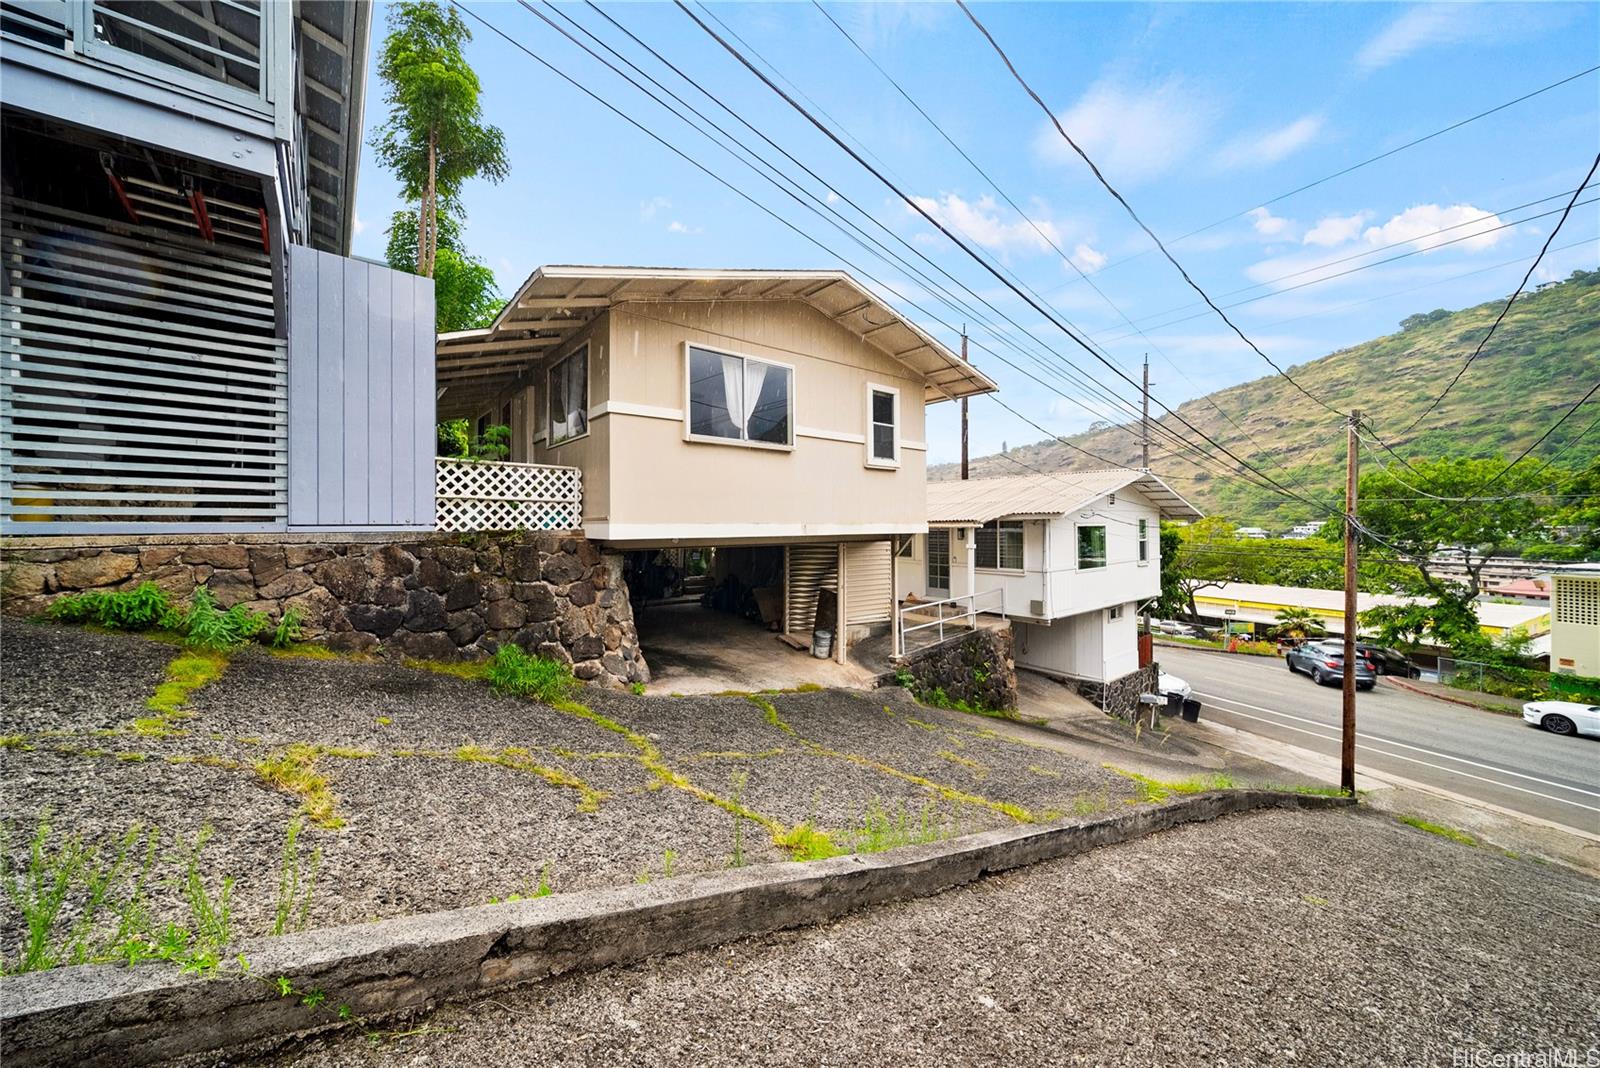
(1194, 111)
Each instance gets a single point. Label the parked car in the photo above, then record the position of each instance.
(1170, 684)
(1563, 717)
(1324, 662)
(1389, 661)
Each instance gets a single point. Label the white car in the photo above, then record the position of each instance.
(1563, 717)
(1172, 684)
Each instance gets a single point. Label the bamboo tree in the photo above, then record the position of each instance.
(434, 138)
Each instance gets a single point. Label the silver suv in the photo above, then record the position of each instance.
(1324, 662)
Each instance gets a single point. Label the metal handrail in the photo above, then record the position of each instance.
(971, 614)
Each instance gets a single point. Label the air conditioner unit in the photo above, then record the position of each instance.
(1036, 609)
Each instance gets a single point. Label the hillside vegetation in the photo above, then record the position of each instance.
(1543, 358)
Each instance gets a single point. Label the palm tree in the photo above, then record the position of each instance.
(1297, 622)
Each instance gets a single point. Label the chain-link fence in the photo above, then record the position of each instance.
(1527, 684)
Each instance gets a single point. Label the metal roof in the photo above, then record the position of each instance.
(978, 500)
(558, 301)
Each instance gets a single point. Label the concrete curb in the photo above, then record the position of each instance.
(1420, 692)
(115, 1015)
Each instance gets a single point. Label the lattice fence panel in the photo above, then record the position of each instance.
(493, 495)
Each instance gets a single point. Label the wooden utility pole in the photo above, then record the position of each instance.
(1347, 747)
(964, 412)
(1144, 422)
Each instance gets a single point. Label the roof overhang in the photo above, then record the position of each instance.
(557, 302)
(974, 502)
(333, 43)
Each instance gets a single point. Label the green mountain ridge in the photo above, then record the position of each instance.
(1543, 357)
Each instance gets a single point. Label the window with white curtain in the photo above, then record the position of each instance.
(569, 397)
(739, 398)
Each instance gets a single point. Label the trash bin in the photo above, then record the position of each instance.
(1174, 704)
(822, 644)
(1191, 710)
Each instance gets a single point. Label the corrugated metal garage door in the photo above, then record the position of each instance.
(868, 588)
(810, 568)
(142, 382)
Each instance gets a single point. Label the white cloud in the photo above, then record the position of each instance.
(649, 208)
(1268, 224)
(1134, 134)
(1088, 258)
(832, 197)
(1336, 229)
(982, 221)
(676, 227)
(1423, 26)
(1261, 149)
(1417, 225)
(356, 224)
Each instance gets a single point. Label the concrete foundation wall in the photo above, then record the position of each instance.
(442, 597)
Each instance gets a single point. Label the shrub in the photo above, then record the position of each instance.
(288, 630)
(513, 671)
(205, 626)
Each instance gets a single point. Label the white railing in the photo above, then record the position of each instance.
(495, 495)
(960, 613)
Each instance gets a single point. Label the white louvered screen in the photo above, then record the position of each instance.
(493, 495)
(810, 568)
(142, 382)
(867, 585)
(1577, 602)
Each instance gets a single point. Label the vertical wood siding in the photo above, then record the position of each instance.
(361, 398)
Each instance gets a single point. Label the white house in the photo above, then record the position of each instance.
(1575, 620)
(1070, 555)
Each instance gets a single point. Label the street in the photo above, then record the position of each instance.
(1487, 757)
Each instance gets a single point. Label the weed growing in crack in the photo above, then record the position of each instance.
(667, 859)
(880, 830)
(1439, 830)
(544, 889)
(806, 842)
(296, 886)
(1156, 790)
(518, 759)
(15, 741)
(293, 770)
(979, 771)
(186, 673)
(738, 780)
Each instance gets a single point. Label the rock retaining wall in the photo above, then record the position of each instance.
(1119, 697)
(439, 597)
(978, 669)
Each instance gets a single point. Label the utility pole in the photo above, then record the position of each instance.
(964, 412)
(1347, 748)
(1144, 422)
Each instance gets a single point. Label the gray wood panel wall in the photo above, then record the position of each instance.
(361, 395)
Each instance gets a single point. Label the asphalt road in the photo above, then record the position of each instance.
(1481, 755)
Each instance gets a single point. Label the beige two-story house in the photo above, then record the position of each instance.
(777, 416)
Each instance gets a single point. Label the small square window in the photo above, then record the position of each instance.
(999, 545)
(569, 398)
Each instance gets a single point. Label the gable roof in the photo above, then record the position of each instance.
(978, 500)
(559, 300)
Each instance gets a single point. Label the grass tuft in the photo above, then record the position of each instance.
(1438, 829)
(1157, 790)
(293, 770)
(518, 759)
(513, 671)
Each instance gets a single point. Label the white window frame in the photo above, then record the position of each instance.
(743, 443)
(878, 462)
(1077, 550)
(1021, 527)
(1144, 543)
(550, 441)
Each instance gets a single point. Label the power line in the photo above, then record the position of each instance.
(1370, 252)
(1043, 235)
(1357, 166)
(1553, 428)
(1512, 299)
(1135, 215)
(1075, 377)
(966, 248)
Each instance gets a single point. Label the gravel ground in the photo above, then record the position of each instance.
(1325, 938)
(424, 830)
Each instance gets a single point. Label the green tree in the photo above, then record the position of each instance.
(1172, 602)
(1466, 531)
(435, 138)
(465, 293)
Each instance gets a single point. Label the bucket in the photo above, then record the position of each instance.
(1191, 710)
(1174, 705)
(822, 644)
